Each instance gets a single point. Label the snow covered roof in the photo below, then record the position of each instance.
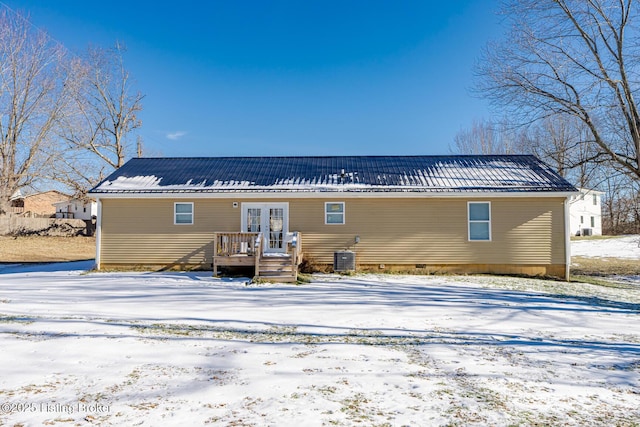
(495, 173)
(17, 195)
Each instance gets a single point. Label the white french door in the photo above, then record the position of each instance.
(270, 219)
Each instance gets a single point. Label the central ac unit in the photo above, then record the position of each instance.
(587, 231)
(344, 261)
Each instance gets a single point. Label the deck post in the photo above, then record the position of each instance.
(258, 253)
(215, 252)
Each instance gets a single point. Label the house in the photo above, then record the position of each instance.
(585, 210)
(84, 209)
(464, 214)
(37, 204)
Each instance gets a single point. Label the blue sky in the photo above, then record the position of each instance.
(227, 78)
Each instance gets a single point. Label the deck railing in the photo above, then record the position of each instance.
(245, 249)
(229, 244)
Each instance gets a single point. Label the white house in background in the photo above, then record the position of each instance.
(585, 210)
(76, 209)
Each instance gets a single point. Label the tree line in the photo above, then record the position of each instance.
(65, 118)
(564, 83)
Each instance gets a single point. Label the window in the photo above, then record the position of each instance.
(183, 213)
(254, 221)
(581, 219)
(595, 199)
(334, 213)
(593, 222)
(479, 221)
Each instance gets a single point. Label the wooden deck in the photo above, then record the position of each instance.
(245, 250)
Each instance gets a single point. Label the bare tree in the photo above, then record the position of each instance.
(621, 205)
(564, 142)
(577, 58)
(486, 137)
(33, 97)
(98, 134)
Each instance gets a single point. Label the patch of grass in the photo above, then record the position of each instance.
(603, 237)
(167, 329)
(46, 248)
(304, 278)
(595, 280)
(328, 390)
(354, 408)
(583, 266)
(15, 319)
(257, 280)
(279, 334)
(144, 406)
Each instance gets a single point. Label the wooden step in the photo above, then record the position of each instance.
(275, 272)
(278, 264)
(277, 269)
(275, 259)
(275, 265)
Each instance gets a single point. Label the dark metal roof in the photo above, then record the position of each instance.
(494, 173)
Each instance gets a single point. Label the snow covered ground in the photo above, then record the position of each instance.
(627, 247)
(186, 349)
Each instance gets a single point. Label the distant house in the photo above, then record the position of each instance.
(586, 213)
(84, 209)
(37, 204)
(464, 214)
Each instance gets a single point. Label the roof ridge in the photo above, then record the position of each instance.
(386, 156)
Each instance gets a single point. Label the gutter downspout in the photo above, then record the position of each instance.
(567, 240)
(98, 232)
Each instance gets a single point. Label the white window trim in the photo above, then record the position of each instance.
(175, 214)
(469, 222)
(344, 218)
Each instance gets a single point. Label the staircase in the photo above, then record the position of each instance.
(244, 249)
(277, 268)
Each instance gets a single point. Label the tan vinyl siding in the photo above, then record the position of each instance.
(434, 231)
(524, 231)
(141, 231)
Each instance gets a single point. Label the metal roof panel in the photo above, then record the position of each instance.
(493, 173)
